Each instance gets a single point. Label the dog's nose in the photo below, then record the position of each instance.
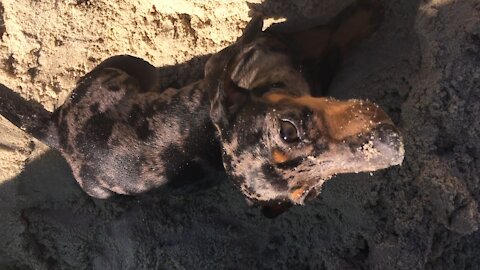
(387, 140)
(387, 134)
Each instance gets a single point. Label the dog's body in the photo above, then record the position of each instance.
(126, 141)
(121, 135)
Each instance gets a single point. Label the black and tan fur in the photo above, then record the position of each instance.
(122, 135)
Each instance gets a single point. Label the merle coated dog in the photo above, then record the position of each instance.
(255, 109)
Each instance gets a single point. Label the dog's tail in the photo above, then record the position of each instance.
(28, 115)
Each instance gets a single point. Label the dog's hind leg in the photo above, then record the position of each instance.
(321, 49)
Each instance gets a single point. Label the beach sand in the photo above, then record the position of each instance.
(422, 67)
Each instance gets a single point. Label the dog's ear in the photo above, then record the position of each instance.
(218, 62)
(225, 96)
(227, 99)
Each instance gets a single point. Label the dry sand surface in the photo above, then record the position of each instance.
(422, 66)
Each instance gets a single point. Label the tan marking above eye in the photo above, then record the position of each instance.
(341, 119)
(276, 97)
(348, 118)
(279, 156)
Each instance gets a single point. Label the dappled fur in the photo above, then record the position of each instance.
(122, 135)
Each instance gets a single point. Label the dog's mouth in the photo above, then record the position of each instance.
(305, 193)
(380, 148)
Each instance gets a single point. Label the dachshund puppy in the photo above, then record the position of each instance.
(254, 110)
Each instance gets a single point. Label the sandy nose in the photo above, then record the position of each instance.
(388, 141)
(388, 134)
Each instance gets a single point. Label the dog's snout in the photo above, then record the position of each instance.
(388, 134)
(388, 141)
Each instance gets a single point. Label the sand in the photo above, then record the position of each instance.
(422, 67)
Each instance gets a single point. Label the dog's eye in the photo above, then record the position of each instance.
(288, 131)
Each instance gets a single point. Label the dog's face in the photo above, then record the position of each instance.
(281, 148)
(281, 144)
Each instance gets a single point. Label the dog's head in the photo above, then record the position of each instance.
(279, 143)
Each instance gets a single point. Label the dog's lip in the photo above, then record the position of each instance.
(307, 190)
(299, 195)
(311, 194)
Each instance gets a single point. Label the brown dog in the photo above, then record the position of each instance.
(121, 135)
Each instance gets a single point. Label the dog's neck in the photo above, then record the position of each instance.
(182, 115)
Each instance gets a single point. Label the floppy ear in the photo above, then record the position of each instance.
(217, 63)
(226, 99)
(225, 96)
